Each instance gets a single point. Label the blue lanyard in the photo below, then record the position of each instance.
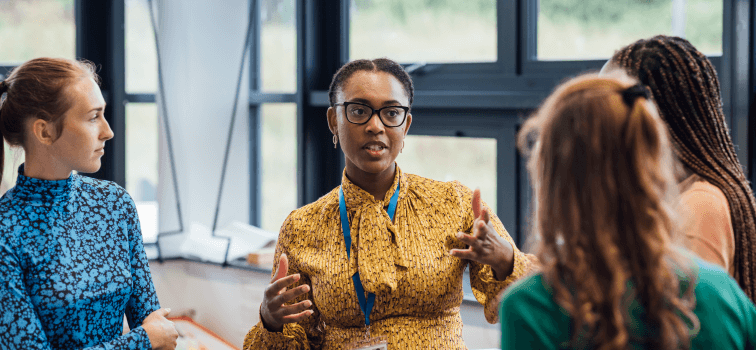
(365, 305)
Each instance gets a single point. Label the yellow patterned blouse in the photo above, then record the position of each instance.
(418, 285)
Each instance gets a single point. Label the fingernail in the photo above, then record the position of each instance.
(306, 288)
(459, 234)
(308, 303)
(167, 309)
(296, 277)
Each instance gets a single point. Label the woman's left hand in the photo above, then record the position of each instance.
(484, 244)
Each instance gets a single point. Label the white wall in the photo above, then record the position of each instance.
(227, 300)
(201, 47)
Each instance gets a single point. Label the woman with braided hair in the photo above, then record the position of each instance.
(602, 170)
(716, 201)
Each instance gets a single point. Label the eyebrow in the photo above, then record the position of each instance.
(385, 103)
(99, 109)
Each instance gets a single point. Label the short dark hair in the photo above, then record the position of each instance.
(376, 65)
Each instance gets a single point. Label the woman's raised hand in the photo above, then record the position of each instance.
(273, 311)
(161, 332)
(484, 244)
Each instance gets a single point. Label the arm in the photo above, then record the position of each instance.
(708, 228)
(143, 299)
(489, 281)
(295, 335)
(20, 328)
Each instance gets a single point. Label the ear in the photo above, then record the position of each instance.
(333, 123)
(407, 124)
(43, 131)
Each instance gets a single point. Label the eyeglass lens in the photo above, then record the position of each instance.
(391, 116)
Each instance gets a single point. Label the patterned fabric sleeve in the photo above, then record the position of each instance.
(294, 335)
(485, 286)
(20, 328)
(144, 299)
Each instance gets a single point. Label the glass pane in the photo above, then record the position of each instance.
(142, 164)
(423, 31)
(595, 29)
(36, 28)
(14, 157)
(279, 163)
(141, 57)
(471, 161)
(279, 46)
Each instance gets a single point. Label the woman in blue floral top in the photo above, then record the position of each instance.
(72, 263)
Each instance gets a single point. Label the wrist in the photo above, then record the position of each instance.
(268, 325)
(504, 267)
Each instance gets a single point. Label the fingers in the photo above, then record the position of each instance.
(296, 308)
(484, 216)
(279, 286)
(468, 254)
(476, 203)
(470, 240)
(283, 267)
(298, 317)
(290, 295)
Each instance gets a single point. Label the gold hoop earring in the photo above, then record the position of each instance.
(335, 140)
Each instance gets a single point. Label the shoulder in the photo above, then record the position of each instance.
(309, 215)
(526, 291)
(713, 281)
(429, 188)
(703, 197)
(105, 193)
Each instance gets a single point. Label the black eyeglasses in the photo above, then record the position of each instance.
(390, 116)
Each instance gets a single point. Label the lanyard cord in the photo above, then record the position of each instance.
(366, 304)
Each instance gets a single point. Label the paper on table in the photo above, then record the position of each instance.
(245, 238)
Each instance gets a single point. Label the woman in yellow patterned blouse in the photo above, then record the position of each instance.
(405, 240)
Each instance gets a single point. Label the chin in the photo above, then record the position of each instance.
(375, 167)
(89, 168)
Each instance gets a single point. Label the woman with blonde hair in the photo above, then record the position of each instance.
(72, 261)
(612, 278)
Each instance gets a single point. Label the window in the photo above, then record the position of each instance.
(471, 161)
(14, 157)
(278, 163)
(30, 29)
(141, 57)
(142, 163)
(595, 29)
(423, 31)
(279, 46)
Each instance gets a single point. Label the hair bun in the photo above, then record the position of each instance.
(632, 93)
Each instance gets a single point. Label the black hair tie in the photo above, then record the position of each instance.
(632, 93)
(3, 87)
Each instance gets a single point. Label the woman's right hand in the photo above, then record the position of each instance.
(161, 331)
(273, 311)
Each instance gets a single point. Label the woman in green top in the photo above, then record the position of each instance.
(612, 278)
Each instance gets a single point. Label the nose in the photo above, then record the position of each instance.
(106, 133)
(374, 125)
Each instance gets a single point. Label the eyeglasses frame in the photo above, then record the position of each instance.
(375, 111)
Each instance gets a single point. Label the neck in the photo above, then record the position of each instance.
(376, 184)
(42, 165)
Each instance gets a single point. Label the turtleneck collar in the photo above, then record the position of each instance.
(42, 192)
(356, 197)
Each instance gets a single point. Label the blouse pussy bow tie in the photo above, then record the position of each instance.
(376, 248)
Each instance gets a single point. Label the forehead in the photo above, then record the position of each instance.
(85, 94)
(375, 87)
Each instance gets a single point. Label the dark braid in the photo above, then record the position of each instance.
(686, 89)
(376, 65)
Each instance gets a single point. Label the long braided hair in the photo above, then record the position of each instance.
(684, 85)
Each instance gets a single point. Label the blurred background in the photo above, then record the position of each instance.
(479, 66)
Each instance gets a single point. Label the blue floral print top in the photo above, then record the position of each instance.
(72, 264)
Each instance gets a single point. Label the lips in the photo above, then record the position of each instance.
(375, 148)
